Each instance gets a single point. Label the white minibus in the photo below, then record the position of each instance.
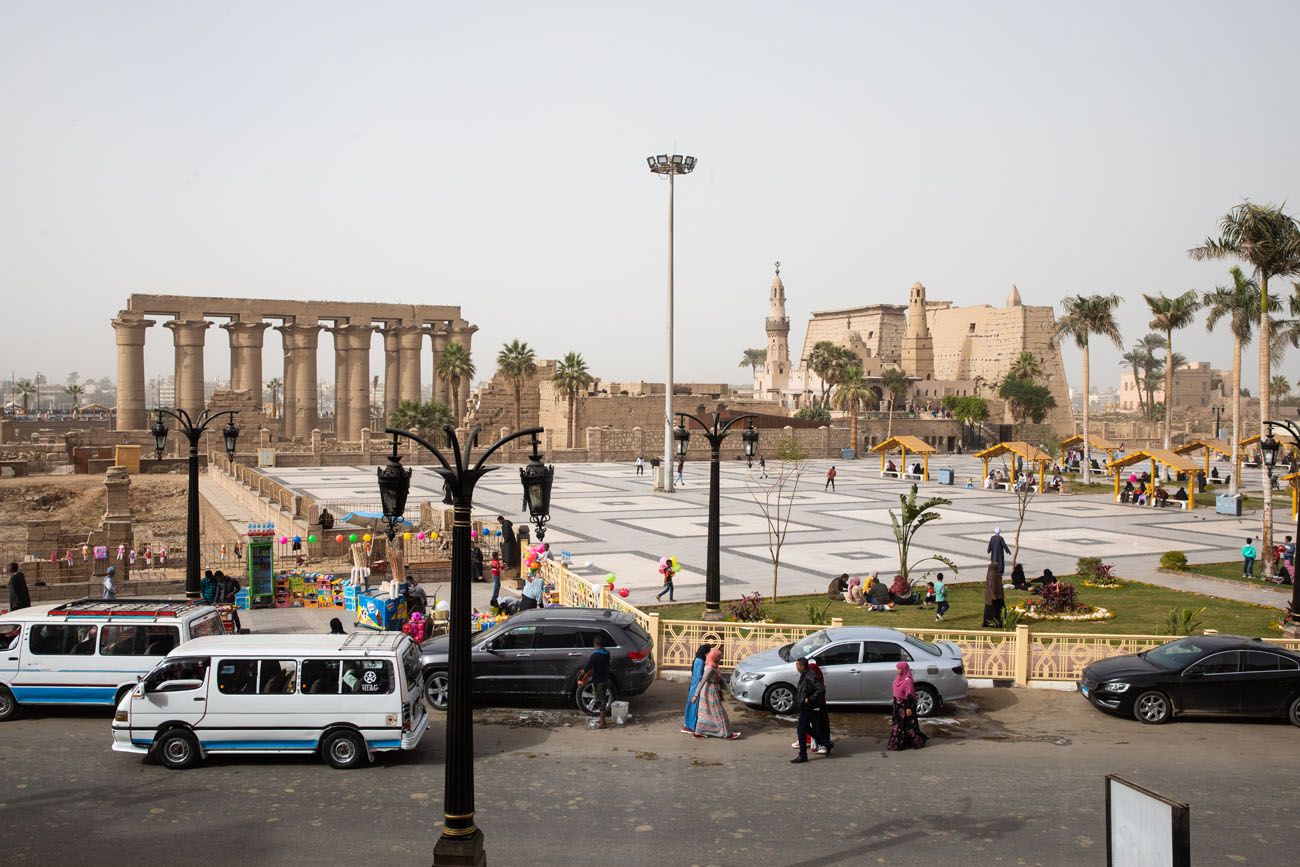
(344, 696)
(92, 651)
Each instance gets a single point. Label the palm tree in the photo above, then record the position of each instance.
(1240, 304)
(1169, 315)
(1086, 315)
(518, 362)
(273, 386)
(821, 360)
(25, 389)
(896, 385)
(1025, 366)
(571, 375)
(1154, 369)
(1280, 387)
(1137, 359)
(75, 392)
(426, 416)
(455, 367)
(851, 395)
(753, 359)
(1268, 240)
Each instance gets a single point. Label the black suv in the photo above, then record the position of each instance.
(541, 651)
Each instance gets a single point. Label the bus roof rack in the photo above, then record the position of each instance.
(125, 607)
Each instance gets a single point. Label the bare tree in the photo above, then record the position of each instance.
(776, 500)
(1023, 499)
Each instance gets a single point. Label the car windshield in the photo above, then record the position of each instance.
(805, 646)
(1176, 654)
(913, 641)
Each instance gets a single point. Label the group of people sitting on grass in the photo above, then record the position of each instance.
(875, 594)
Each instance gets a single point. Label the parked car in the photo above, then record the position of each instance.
(859, 664)
(541, 651)
(1203, 674)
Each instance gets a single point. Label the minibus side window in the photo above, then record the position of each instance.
(278, 677)
(115, 640)
(48, 639)
(208, 624)
(184, 668)
(367, 676)
(320, 676)
(9, 634)
(237, 676)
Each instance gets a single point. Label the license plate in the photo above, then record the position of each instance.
(1083, 689)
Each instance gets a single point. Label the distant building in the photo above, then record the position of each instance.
(1196, 386)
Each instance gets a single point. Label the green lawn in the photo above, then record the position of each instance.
(1232, 572)
(1140, 609)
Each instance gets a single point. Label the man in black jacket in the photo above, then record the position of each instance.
(810, 698)
(18, 595)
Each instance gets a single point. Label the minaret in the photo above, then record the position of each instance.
(918, 345)
(776, 371)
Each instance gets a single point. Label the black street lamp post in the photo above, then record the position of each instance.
(461, 842)
(193, 429)
(1269, 449)
(715, 434)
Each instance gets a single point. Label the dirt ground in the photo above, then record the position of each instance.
(77, 502)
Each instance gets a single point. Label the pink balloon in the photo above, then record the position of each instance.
(420, 536)
(623, 591)
(284, 540)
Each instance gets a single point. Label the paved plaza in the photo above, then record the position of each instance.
(610, 520)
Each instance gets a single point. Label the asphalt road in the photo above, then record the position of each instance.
(1013, 777)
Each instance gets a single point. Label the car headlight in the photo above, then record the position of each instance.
(749, 677)
(1115, 686)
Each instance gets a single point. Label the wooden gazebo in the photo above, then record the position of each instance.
(1099, 443)
(1292, 450)
(903, 444)
(1210, 446)
(1293, 482)
(1158, 458)
(1023, 451)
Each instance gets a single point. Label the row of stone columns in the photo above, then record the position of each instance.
(402, 375)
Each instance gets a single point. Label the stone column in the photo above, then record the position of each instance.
(131, 398)
(440, 336)
(301, 340)
(462, 332)
(341, 392)
(358, 343)
(188, 335)
(246, 356)
(409, 340)
(392, 370)
(288, 397)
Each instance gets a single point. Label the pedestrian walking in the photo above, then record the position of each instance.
(994, 598)
(681, 467)
(904, 727)
(697, 672)
(666, 570)
(110, 583)
(940, 597)
(640, 465)
(19, 597)
(1248, 555)
(476, 563)
(810, 696)
(711, 717)
(998, 550)
(830, 480)
(509, 544)
(208, 587)
(762, 466)
(596, 673)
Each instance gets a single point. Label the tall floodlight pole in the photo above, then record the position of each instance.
(670, 167)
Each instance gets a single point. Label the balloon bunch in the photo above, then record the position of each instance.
(670, 563)
(415, 626)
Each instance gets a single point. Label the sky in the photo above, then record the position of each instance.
(492, 155)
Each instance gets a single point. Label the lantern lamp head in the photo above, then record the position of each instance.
(159, 431)
(231, 435)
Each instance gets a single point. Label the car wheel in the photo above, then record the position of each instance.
(1294, 714)
(585, 698)
(8, 705)
(436, 690)
(343, 749)
(177, 749)
(1152, 708)
(928, 702)
(779, 698)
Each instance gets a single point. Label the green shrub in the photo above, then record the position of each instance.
(1087, 568)
(817, 616)
(1175, 560)
(1012, 617)
(1183, 620)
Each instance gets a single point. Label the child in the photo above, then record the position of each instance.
(929, 595)
(940, 598)
(494, 567)
(1248, 560)
(667, 571)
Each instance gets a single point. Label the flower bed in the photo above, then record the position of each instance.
(1110, 585)
(1092, 613)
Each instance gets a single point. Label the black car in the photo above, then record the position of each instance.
(540, 653)
(1203, 674)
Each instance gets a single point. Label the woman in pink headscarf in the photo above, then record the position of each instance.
(905, 729)
(711, 719)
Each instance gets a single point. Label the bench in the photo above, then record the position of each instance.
(917, 476)
(889, 474)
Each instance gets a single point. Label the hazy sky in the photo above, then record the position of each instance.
(492, 155)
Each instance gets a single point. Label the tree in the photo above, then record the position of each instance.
(776, 500)
(273, 387)
(1136, 358)
(829, 362)
(1239, 303)
(1169, 315)
(455, 367)
(911, 518)
(1027, 400)
(572, 377)
(896, 385)
(423, 416)
(25, 389)
(72, 378)
(1268, 240)
(753, 359)
(1280, 387)
(1086, 315)
(851, 395)
(1025, 366)
(75, 392)
(518, 362)
(814, 413)
(968, 410)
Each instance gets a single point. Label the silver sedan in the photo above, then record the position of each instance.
(859, 664)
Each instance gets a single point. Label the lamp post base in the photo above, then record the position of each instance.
(712, 615)
(460, 851)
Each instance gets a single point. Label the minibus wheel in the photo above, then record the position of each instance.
(344, 749)
(8, 705)
(177, 749)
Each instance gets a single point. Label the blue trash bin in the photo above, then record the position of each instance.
(946, 475)
(1227, 504)
(847, 454)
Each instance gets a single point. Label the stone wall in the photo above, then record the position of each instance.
(619, 444)
(493, 406)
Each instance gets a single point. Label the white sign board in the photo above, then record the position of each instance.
(266, 457)
(1144, 829)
